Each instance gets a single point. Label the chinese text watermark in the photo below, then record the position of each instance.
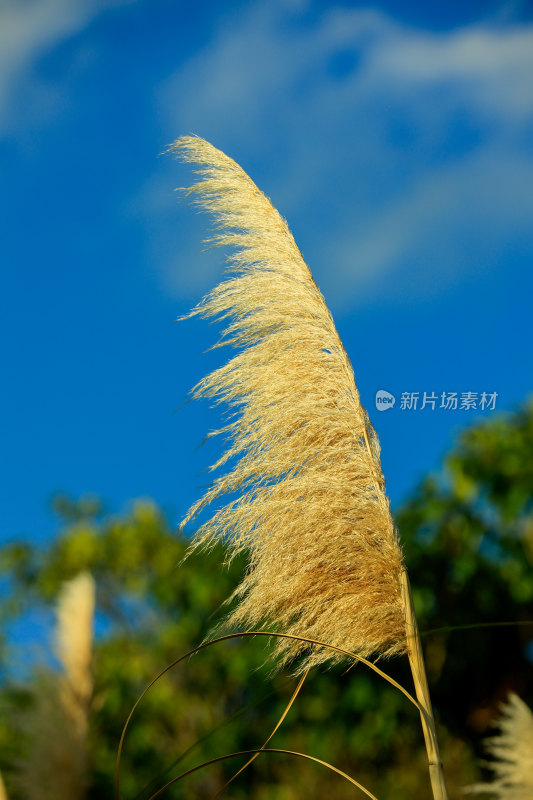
(446, 401)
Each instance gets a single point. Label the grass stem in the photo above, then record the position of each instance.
(418, 670)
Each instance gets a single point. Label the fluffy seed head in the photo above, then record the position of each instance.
(74, 634)
(55, 724)
(512, 753)
(309, 505)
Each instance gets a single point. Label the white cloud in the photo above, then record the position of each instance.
(29, 29)
(390, 148)
(452, 224)
(493, 67)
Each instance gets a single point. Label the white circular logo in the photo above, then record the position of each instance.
(384, 400)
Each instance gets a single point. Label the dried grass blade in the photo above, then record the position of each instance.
(276, 728)
(258, 752)
(227, 637)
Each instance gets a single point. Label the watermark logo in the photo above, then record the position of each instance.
(384, 400)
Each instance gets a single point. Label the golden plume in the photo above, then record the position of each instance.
(312, 514)
(512, 751)
(307, 500)
(55, 724)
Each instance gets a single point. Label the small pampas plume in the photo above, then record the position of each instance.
(74, 637)
(3, 793)
(311, 510)
(55, 725)
(512, 753)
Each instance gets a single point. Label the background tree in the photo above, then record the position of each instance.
(468, 537)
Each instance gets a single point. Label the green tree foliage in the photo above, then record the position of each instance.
(468, 536)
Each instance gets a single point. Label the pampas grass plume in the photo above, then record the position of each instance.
(74, 638)
(308, 499)
(512, 751)
(55, 724)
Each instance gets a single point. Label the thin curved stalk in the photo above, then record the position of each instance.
(228, 636)
(279, 722)
(516, 623)
(144, 792)
(257, 752)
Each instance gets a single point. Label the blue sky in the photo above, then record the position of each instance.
(397, 140)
